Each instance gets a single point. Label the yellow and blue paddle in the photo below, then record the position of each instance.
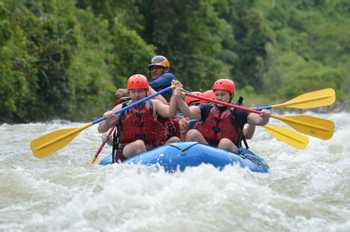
(51, 142)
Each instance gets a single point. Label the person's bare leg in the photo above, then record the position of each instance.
(134, 148)
(195, 135)
(173, 139)
(228, 145)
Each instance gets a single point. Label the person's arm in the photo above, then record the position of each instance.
(169, 111)
(195, 112)
(110, 119)
(159, 97)
(162, 109)
(162, 81)
(248, 130)
(183, 107)
(121, 92)
(261, 120)
(179, 102)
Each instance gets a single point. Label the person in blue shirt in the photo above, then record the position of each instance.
(161, 78)
(161, 75)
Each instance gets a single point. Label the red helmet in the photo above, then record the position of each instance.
(208, 94)
(189, 100)
(137, 81)
(225, 85)
(161, 61)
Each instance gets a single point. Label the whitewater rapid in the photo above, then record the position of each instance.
(306, 190)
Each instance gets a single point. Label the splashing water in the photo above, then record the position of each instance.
(306, 190)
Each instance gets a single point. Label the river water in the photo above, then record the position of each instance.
(306, 190)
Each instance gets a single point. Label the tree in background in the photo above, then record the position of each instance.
(189, 34)
(311, 48)
(64, 59)
(246, 40)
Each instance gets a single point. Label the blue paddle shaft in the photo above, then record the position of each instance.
(263, 107)
(138, 102)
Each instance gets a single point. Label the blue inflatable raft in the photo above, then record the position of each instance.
(178, 156)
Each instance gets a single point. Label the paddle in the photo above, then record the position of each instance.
(288, 136)
(309, 125)
(317, 127)
(324, 97)
(49, 143)
(97, 153)
(93, 160)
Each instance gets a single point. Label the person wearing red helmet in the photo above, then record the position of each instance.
(219, 125)
(248, 129)
(191, 100)
(138, 129)
(208, 94)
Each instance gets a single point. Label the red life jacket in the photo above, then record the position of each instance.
(172, 127)
(140, 123)
(219, 125)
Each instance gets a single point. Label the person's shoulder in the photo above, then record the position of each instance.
(168, 75)
(156, 101)
(240, 114)
(206, 106)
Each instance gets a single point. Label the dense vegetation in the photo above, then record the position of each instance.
(64, 59)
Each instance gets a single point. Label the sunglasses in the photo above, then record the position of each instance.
(155, 67)
(220, 94)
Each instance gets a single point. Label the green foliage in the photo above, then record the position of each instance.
(130, 54)
(250, 34)
(65, 58)
(311, 49)
(57, 58)
(189, 33)
(15, 67)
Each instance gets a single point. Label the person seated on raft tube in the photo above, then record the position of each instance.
(178, 126)
(248, 129)
(173, 125)
(161, 77)
(176, 129)
(221, 126)
(138, 129)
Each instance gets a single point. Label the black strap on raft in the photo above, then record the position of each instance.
(116, 153)
(242, 137)
(117, 149)
(114, 147)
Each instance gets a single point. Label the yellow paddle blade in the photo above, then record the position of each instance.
(324, 97)
(93, 159)
(316, 127)
(51, 142)
(288, 136)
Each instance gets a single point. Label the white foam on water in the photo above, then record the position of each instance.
(306, 190)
